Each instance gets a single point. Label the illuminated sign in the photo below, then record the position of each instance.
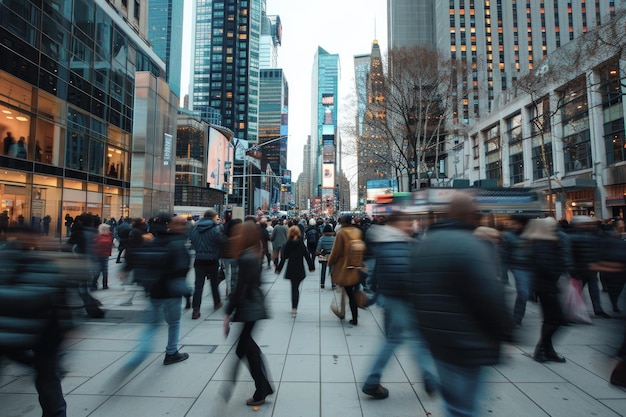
(328, 176)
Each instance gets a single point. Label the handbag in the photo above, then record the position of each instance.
(361, 298)
(338, 307)
(574, 307)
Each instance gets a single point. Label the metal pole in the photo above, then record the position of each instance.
(245, 188)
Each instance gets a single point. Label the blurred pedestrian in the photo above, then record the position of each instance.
(278, 239)
(167, 274)
(247, 305)
(459, 302)
(207, 239)
(123, 233)
(515, 258)
(35, 314)
(102, 247)
(547, 254)
(392, 245)
(69, 221)
(324, 247)
(295, 254)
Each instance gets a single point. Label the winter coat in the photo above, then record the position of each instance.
(208, 239)
(247, 301)
(585, 249)
(457, 297)
(392, 250)
(179, 262)
(295, 252)
(102, 245)
(338, 259)
(325, 243)
(512, 253)
(279, 236)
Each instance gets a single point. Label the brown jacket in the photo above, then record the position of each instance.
(338, 259)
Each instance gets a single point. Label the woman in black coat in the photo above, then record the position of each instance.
(247, 304)
(296, 252)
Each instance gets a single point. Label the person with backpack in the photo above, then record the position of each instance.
(312, 234)
(295, 252)
(324, 247)
(208, 239)
(346, 261)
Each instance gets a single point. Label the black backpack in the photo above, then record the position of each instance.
(312, 236)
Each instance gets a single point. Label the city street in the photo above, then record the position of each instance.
(317, 365)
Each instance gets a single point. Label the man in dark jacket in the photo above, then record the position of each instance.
(167, 286)
(208, 239)
(391, 245)
(459, 302)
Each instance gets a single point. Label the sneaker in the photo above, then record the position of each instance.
(175, 357)
(377, 391)
(294, 312)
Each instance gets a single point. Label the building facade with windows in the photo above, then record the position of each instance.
(68, 110)
(563, 133)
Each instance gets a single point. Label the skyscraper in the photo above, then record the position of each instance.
(373, 154)
(324, 133)
(411, 22)
(226, 63)
(165, 33)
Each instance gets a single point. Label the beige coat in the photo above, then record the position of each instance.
(338, 258)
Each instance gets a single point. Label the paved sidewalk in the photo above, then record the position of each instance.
(317, 364)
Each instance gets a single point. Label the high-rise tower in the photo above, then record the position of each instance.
(165, 33)
(226, 63)
(324, 133)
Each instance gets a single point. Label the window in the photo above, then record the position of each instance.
(516, 167)
(614, 140)
(538, 165)
(577, 151)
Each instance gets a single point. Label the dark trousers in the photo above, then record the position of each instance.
(206, 269)
(103, 266)
(247, 347)
(352, 299)
(47, 381)
(120, 249)
(295, 292)
(323, 266)
(552, 317)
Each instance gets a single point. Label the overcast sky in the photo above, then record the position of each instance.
(344, 27)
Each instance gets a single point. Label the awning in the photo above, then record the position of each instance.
(568, 183)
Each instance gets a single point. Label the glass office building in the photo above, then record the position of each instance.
(67, 103)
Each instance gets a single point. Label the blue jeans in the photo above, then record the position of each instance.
(231, 271)
(172, 311)
(459, 388)
(523, 285)
(401, 326)
(323, 266)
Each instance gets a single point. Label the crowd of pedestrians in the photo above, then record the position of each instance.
(441, 290)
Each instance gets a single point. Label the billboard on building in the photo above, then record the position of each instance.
(328, 176)
(219, 152)
(379, 187)
(328, 99)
